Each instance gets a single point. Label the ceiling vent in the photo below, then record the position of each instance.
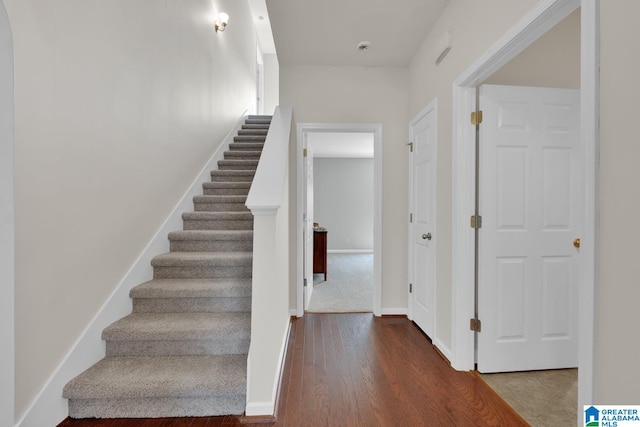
(364, 46)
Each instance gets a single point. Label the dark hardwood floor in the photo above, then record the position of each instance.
(358, 370)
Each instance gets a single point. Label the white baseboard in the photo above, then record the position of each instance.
(394, 311)
(349, 251)
(49, 408)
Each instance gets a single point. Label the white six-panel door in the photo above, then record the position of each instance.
(531, 205)
(422, 238)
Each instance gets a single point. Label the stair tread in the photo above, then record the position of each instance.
(201, 259)
(168, 376)
(179, 326)
(219, 198)
(217, 215)
(193, 288)
(211, 235)
(237, 162)
(233, 172)
(226, 185)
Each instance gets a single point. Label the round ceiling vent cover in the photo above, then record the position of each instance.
(364, 46)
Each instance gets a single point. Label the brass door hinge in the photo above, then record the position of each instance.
(410, 287)
(411, 217)
(476, 221)
(475, 325)
(410, 144)
(476, 118)
(304, 152)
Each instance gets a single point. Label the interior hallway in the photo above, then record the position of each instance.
(359, 370)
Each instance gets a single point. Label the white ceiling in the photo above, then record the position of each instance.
(327, 32)
(340, 144)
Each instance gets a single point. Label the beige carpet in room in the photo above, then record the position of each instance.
(349, 285)
(542, 398)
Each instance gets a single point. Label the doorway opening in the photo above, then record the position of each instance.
(330, 142)
(340, 207)
(528, 30)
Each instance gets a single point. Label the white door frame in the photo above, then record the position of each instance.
(538, 21)
(376, 130)
(7, 254)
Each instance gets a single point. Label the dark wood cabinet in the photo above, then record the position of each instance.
(320, 252)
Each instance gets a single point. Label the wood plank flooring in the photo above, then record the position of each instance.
(358, 370)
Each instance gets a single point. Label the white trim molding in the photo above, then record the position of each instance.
(590, 135)
(544, 16)
(394, 312)
(376, 129)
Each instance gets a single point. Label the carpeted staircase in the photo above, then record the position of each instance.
(183, 349)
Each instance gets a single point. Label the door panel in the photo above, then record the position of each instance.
(308, 227)
(422, 228)
(531, 203)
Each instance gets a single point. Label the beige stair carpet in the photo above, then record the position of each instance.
(183, 349)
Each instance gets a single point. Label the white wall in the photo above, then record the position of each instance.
(474, 27)
(551, 61)
(6, 223)
(343, 201)
(271, 83)
(118, 106)
(617, 372)
(320, 94)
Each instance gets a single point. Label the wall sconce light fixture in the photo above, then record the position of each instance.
(221, 22)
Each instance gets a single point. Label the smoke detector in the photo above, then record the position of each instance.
(364, 46)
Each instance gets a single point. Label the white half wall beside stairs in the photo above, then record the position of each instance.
(268, 200)
(49, 408)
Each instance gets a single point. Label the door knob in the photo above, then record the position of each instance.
(576, 243)
(427, 236)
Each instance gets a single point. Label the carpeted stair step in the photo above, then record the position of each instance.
(202, 265)
(260, 117)
(237, 164)
(242, 155)
(262, 132)
(217, 220)
(192, 295)
(258, 121)
(246, 146)
(148, 387)
(249, 138)
(232, 176)
(179, 334)
(211, 241)
(247, 126)
(220, 203)
(226, 188)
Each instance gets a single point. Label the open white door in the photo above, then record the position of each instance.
(422, 239)
(308, 227)
(531, 205)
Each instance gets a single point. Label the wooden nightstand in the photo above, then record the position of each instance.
(320, 252)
